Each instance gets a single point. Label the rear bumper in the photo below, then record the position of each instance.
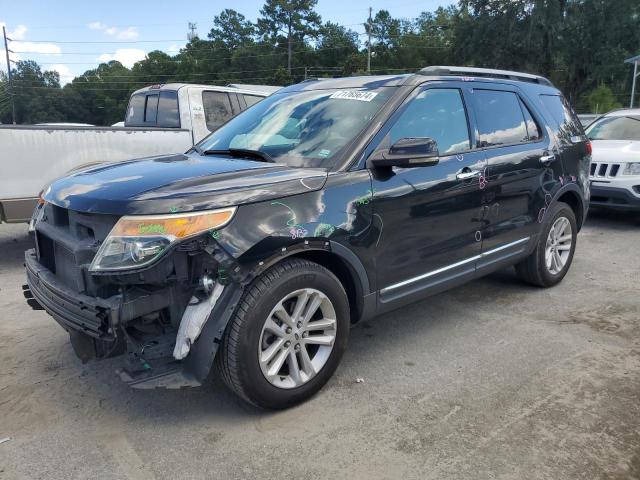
(614, 198)
(92, 316)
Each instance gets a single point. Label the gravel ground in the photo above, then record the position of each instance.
(492, 380)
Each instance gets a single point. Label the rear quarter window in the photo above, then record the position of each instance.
(563, 120)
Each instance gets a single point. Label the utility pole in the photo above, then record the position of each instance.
(6, 51)
(192, 35)
(369, 44)
(634, 60)
(633, 88)
(305, 72)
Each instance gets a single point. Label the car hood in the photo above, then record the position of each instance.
(179, 183)
(615, 151)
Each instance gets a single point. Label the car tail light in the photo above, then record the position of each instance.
(589, 148)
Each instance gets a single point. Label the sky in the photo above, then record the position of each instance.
(72, 36)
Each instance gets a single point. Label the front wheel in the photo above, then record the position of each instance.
(550, 261)
(286, 336)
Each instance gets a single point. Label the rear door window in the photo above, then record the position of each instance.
(168, 112)
(500, 118)
(217, 108)
(533, 130)
(437, 113)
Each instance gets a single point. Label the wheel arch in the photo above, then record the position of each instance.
(349, 270)
(571, 196)
(345, 274)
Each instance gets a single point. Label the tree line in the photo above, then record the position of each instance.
(579, 44)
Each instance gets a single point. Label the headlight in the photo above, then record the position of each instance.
(632, 169)
(136, 241)
(37, 214)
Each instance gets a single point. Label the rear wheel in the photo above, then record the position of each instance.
(550, 261)
(286, 336)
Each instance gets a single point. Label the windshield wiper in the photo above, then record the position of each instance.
(197, 149)
(242, 152)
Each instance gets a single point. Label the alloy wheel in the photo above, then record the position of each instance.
(558, 247)
(297, 338)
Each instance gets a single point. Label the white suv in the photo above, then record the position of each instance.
(615, 166)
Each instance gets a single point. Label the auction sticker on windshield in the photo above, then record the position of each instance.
(354, 95)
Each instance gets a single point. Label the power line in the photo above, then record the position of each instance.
(410, 34)
(196, 59)
(123, 89)
(98, 41)
(78, 25)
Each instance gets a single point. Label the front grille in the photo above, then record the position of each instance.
(604, 170)
(67, 242)
(68, 269)
(46, 255)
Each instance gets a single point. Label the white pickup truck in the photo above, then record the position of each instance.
(161, 119)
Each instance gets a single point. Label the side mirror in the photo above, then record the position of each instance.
(407, 152)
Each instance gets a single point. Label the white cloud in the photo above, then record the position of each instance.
(18, 33)
(174, 49)
(126, 56)
(30, 47)
(65, 73)
(128, 33)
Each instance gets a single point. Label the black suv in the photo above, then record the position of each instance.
(325, 204)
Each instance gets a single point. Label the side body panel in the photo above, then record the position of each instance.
(518, 188)
(571, 142)
(429, 219)
(338, 214)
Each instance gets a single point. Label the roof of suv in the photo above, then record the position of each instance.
(426, 74)
(263, 90)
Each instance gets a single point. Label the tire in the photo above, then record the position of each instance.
(534, 269)
(245, 345)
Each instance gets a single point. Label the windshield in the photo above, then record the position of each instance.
(301, 129)
(615, 128)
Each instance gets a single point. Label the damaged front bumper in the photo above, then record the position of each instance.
(94, 317)
(171, 356)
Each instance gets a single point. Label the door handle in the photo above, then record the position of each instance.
(546, 159)
(465, 175)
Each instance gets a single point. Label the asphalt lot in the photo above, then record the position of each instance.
(492, 380)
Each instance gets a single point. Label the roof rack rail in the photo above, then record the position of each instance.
(484, 72)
